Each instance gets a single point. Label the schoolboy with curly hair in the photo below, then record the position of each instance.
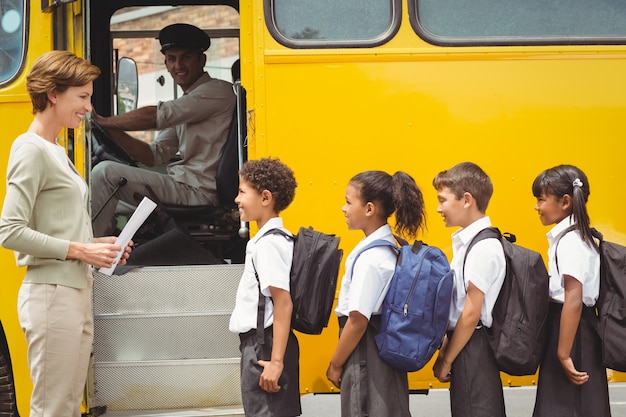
(270, 370)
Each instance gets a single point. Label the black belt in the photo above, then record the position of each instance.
(479, 326)
(251, 332)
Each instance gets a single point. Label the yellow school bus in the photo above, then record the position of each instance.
(334, 88)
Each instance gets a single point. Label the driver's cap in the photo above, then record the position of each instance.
(182, 35)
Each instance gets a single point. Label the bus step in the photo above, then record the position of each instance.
(196, 412)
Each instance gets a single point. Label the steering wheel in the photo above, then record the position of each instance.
(104, 148)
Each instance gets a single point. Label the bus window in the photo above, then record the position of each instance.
(513, 22)
(12, 23)
(332, 23)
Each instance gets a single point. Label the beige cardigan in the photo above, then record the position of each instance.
(43, 211)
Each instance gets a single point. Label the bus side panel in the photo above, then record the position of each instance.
(330, 114)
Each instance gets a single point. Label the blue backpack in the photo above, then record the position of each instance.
(415, 310)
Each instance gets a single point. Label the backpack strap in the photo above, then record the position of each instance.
(260, 317)
(594, 232)
(487, 233)
(383, 242)
(556, 247)
(260, 314)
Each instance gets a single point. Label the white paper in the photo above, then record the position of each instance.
(140, 215)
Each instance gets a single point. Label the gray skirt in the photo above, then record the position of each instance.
(556, 395)
(370, 387)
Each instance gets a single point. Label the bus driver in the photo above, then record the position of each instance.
(194, 125)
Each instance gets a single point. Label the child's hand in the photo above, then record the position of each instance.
(441, 370)
(575, 376)
(333, 373)
(272, 370)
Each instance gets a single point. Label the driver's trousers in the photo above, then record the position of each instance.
(105, 178)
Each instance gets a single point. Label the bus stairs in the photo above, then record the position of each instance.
(162, 345)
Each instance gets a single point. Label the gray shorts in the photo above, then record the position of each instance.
(256, 401)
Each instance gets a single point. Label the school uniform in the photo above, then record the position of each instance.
(368, 385)
(475, 384)
(271, 257)
(556, 395)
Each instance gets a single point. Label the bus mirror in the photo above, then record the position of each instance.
(48, 6)
(127, 85)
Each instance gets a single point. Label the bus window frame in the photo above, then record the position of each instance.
(25, 31)
(381, 39)
(503, 40)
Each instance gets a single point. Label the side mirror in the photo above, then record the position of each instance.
(127, 85)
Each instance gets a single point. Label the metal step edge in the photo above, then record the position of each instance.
(182, 314)
(151, 270)
(195, 412)
(174, 362)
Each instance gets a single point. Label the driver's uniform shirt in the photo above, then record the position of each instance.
(196, 126)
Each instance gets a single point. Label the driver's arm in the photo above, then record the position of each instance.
(143, 118)
(137, 149)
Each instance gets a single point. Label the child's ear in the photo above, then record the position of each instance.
(370, 209)
(566, 202)
(266, 197)
(468, 199)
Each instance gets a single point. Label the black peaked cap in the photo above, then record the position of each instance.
(182, 35)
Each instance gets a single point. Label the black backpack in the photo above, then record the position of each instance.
(611, 304)
(312, 280)
(518, 332)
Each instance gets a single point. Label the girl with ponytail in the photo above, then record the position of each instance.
(368, 385)
(572, 380)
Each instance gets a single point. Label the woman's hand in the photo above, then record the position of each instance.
(102, 253)
(111, 239)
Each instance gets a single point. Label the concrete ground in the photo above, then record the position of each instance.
(519, 403)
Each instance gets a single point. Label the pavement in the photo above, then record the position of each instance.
(519, 402)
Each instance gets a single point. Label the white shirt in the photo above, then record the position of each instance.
(485, 267)
(365, 289)
(272, 256)
(576, 259)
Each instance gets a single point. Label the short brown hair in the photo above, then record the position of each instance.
(466, 177)
(57, 70)
(272, 175)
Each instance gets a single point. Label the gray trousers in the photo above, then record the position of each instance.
(105, 177)
(475, 384)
